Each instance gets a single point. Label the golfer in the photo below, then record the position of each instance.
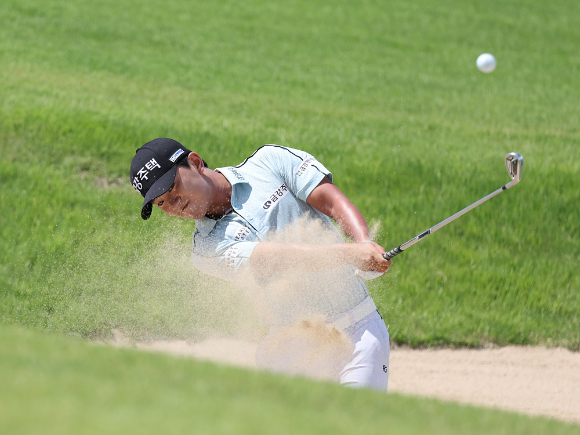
(257, 225)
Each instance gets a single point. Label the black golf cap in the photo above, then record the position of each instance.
(153, 169)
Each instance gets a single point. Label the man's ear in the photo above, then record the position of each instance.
(195, 161)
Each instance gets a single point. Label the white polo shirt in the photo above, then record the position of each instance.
(269, 192)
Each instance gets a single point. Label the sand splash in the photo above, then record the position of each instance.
(311, 348)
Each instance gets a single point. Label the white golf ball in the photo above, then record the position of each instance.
(486, 62)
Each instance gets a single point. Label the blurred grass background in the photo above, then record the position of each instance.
(386, 94)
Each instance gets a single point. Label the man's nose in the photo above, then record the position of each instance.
(175, 200)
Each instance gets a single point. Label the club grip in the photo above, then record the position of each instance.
(392, 253)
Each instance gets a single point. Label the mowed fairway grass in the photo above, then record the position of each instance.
(385, 94)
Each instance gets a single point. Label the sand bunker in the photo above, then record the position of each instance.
(528, 380)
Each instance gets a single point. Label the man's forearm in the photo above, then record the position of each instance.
(271, 257)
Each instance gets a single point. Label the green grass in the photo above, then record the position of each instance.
(55, 385)
(385, 94)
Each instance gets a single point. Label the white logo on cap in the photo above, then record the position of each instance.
(143, 172)
(175, 155)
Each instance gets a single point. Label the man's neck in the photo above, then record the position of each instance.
(223, 196)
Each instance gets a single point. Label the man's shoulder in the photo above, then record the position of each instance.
(278, 152)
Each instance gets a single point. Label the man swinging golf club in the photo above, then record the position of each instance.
(247, 231)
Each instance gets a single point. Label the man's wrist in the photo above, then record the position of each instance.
(345, 252)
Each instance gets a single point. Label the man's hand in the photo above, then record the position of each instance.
(368, 256)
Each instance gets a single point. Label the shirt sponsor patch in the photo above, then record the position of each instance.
(230, 255)
(175, 155)
(278, 194)
(304, 166)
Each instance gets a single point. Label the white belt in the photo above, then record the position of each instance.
(349, 318)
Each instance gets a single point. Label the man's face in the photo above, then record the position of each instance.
(190, 196)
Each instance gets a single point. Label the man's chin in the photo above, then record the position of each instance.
(188, 214)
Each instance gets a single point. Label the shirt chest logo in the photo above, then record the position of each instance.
(277, 195)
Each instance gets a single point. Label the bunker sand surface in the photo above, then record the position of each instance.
(529, 380)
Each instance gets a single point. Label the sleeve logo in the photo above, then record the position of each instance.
(230, 256)
(242, 234)
(304, 166)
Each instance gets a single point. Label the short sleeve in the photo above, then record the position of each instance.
(300, 171)
(228, 259)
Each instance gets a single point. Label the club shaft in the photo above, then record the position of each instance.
(392, 253)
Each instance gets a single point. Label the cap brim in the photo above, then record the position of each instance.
(159, 188)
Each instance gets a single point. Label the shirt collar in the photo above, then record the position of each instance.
(233, 175)
(206, 225)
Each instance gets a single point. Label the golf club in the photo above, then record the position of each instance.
(514, 163)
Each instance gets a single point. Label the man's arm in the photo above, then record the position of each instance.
(328, 199)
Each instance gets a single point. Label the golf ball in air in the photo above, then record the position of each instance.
(486, 62)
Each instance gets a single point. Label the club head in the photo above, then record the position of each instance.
(514, 163)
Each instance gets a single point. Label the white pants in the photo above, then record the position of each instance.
(369, 366)
(358, 357)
